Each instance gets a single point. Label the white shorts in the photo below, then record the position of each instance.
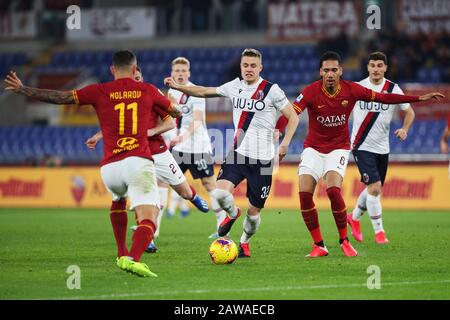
(167, 169)
(132, 176)
(318, 164)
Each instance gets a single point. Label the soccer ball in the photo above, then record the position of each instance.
(223, 251)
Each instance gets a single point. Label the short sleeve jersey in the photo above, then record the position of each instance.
(198, 141)
(123, 108)
(328, 114)
(372, 120)
(255, 114)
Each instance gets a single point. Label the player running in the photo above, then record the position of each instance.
(370, 143)
(167, 170)
(192, 145)
(123, 108)
(327, 145)
(255, 105)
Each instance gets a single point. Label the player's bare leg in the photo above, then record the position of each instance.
(188, 192)
(375, 211)
(223, 195)
(250, 227)
(334, 181)
(307, 184)
(210, 184)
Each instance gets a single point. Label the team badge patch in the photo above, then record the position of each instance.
(365, 177)
(260, 95)
(300, 97)
(344, 103)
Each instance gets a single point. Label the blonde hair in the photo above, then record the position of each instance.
(181, 60)
(250, 52)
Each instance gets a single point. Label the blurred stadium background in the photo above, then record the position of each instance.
(37, 43)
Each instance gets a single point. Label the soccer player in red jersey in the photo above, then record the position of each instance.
(167, 170)
(327, 146)
(123, 108)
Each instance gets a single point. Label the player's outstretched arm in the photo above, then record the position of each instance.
(51, 96)
(194, 91)
(292, 124)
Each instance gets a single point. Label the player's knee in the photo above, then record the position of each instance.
(253, 211)
(374, 189)
(220, 194)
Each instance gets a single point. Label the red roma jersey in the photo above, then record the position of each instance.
(328, 114)
(124, 109)
(156, 143)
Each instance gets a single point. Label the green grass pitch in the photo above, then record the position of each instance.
(38, 245)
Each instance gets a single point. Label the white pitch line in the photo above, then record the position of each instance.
(298, 288)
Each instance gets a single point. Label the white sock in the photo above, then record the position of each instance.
(163, 197)
(174, 201)
(251, 225)
(163, 193)
(374, 211)
(220, 214)
(361, 205)
(225, 201)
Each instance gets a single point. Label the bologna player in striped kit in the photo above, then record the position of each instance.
(370, 145)
(327, 146)
(256, 103)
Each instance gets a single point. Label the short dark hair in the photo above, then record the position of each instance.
(330, 55)
(123, 58)
(378, 55)
(250, 52)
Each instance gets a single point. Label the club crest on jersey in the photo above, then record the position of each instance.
(344, 103)
(260, 95)
(366, 177)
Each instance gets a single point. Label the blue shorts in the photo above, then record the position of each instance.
(258, 173)
(371, 166)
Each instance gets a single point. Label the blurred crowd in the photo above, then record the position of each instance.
(409, 54)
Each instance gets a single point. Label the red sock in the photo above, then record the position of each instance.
(142, 238)
(194, 193)
(119, 221)
(310, 215)
(339, 210)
